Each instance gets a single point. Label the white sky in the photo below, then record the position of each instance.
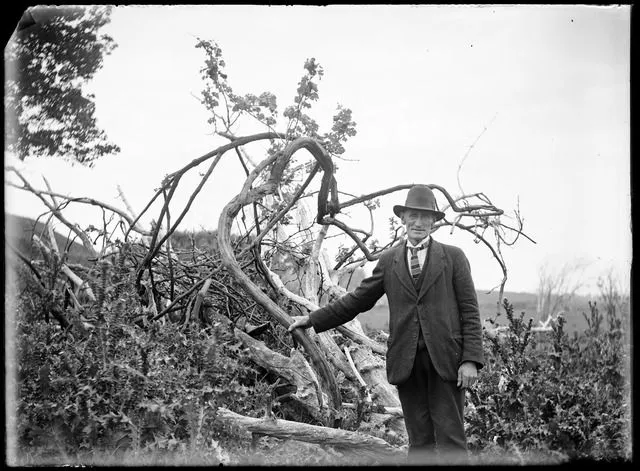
(549, 83)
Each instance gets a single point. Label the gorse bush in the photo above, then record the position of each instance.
(123, 386)
(562, 397)
(117, 383)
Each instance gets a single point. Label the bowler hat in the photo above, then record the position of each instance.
(420, 197)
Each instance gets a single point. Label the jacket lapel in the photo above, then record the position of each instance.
(400, 268)
(435, 266)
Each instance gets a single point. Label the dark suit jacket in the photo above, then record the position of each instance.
(445, 304)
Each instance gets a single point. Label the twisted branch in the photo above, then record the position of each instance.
(249, 195)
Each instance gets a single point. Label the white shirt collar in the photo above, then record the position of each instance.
(424, 241)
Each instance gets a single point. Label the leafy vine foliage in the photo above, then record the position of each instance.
(54, 52)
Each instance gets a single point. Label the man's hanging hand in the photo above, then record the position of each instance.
(467, 374)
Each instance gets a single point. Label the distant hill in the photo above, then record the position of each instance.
(18, 231)
(378, 317)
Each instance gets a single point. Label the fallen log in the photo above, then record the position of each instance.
(295, 370)
(324, 339)
(390, 411)
(363, 339)
(343, 440)
(365, 367)
(390, 424)
(373, 370)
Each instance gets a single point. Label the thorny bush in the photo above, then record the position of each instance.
(560, 396)
(123, 386)
(120, 386)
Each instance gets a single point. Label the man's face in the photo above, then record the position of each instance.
(418, 224)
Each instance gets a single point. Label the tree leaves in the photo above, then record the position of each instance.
(226, 107)
(48, 63)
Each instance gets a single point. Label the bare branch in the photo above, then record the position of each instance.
(58, 214)
(79, 283)
(469, 150)
(200, 298)
(26, 261)
(280, 214)
(132, 213)
(240, 141)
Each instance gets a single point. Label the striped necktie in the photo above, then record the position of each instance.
(415, 263)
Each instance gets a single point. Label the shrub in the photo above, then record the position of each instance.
(566, 399)
(117, 385)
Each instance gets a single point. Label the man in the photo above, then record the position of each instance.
(435, 335)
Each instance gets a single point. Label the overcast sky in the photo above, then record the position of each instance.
(543, 89)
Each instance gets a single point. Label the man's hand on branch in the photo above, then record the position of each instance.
(300, 321)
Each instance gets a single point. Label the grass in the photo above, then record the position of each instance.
(268, 452)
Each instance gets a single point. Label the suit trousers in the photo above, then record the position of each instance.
(433, 413)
